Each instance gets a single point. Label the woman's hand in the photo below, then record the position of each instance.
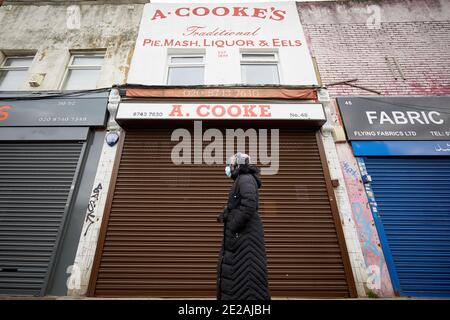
(222, 217)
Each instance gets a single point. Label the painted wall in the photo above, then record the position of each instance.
(52, 30)
(378, 279)
(223, 31)
(348, 225)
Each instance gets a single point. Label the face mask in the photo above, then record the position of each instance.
(228, 171)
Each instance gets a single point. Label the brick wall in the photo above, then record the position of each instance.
(351, 40)
(418, 37)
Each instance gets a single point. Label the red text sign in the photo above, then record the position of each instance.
(4, 114)
(222, 11)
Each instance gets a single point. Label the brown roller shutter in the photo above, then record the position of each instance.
(161, 237)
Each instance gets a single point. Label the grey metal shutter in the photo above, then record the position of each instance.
(35, 191)
(413, 198)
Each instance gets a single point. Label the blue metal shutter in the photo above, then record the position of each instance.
(413, 197)
(35, 188)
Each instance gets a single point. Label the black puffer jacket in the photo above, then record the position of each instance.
(242, 265)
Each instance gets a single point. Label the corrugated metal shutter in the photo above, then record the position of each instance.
(413, 198)
(162, 238)
(35, 183)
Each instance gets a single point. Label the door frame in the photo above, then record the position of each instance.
(106, 214)
(336, 218)
(331, 198)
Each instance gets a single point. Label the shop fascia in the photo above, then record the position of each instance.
(235, 113)
(414, 125)
(20, 110)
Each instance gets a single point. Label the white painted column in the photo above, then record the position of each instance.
(345, 210)
(78, 281)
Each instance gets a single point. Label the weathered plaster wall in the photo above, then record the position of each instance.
(51, 31)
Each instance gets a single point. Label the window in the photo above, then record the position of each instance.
(83, 71)
(186, 69)
(13, 72)
(260, 68)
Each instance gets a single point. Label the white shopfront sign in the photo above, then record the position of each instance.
(221, 32)
(219, 111)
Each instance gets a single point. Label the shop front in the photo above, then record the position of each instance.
(48, 147)
(402, 146)
(160, 237)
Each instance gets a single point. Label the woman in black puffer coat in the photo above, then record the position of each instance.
(242, 265)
